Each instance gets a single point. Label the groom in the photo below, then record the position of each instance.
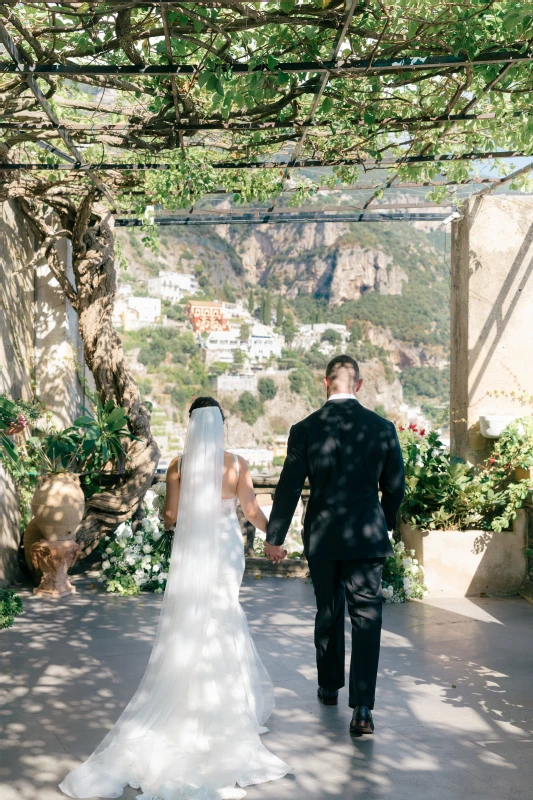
(348, 452)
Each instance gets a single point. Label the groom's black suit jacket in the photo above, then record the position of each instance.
(347, 452)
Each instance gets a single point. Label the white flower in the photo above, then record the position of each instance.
(122, 543)
(408, 591)
(147, 548)
(119, 531)
(387, 592)
(157, 534)
(113, 559)
(407, 563)
(159, 590)
(109, 549)
(156, 567)
(407, 583)
(146, 524)
(106, 564)
(415, 561)
(130, 559)
(162, 577)
(138, 538)
(400, 547)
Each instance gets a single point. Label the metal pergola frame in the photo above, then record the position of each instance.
(328, 69)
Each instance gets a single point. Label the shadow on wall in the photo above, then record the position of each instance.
(16, 359)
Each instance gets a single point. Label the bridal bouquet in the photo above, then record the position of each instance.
(135, 561)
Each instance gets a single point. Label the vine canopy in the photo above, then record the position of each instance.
(325, 93)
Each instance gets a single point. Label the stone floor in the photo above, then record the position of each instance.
(453, 717)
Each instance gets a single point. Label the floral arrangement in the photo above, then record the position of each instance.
(10, 607)
(137, 557)
(443, 492)
(403, 576)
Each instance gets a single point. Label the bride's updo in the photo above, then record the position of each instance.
(206, 402)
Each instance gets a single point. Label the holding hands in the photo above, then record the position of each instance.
(275, 553)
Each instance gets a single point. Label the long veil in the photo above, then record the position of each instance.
(182, 630)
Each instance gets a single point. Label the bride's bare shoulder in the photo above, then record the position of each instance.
(173, 466)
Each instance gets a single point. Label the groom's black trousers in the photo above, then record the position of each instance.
(356, 583)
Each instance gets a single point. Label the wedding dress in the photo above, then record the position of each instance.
(192, 729)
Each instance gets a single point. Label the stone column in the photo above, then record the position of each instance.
(491, 316)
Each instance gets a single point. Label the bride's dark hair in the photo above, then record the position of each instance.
(206, 402)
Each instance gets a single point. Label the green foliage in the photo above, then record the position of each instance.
(267, 388)
(380, 409)
(249, 408)
(10, 607)
(429, 382)
(442, 492)
(251, 302)
(331, 336)
(302, 381)
(239, 358)
(266, 309)
(280, 312)
(289, 328)
(244, 333)
(173, 311)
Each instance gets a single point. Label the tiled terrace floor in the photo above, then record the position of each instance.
(454, 715)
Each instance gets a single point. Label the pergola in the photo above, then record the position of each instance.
(286, 110)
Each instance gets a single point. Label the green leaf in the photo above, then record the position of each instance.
(327, 105)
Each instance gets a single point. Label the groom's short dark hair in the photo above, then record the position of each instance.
(343, 368)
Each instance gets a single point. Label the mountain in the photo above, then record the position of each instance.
(389, 282)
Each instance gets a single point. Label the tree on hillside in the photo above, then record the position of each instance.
(239, 357)
(245, 331)
(249, 407)
(251, 302)
(289, 329)
(267, 388)
(266, 309)
(331, 336)
(280, 312)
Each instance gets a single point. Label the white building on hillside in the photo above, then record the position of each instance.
(264, 343)
(173, 286)
(255, 456)
(237, 383)
(221, 345)
(236, 310)
(132, 313)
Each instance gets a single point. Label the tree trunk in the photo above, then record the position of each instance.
(91, 227)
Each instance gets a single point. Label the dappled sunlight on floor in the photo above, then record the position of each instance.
(453, 714)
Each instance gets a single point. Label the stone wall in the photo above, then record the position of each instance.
(16, 360)
(40, 352)
(491, 316)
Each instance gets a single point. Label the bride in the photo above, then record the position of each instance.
(191, 731)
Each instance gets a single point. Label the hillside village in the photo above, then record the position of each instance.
(200, 330)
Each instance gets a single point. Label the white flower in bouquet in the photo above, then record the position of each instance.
(109, 549)
(157, 534)
(106, 564)
(146, 524)
(407, 563)
(162, 577)
(147, 548)
(122, 543)
(156, 567)
(407, 584)
(130, 559)
(159, 590)
(113, 559)
(400, 548)
(138, 538)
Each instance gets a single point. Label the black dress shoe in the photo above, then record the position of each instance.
(328, 696)
(362, 721)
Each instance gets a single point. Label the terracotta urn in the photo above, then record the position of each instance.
(58, 505)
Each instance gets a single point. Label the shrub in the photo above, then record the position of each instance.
(267, 388)
(331, 336)
(302, 381)
(249, 408)
(10, 607)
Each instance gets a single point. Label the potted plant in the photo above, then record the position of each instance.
(465, 523)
